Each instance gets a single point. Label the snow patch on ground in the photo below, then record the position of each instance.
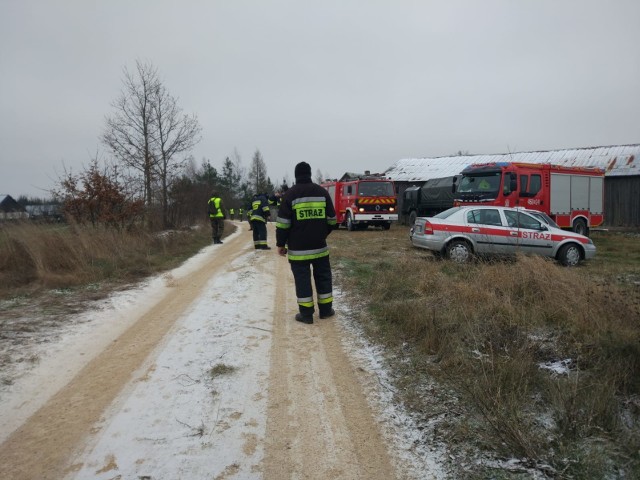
(559, 367)
(414, 456)
(178, 420)
(79, 340)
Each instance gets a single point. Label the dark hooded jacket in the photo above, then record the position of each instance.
(305, 219)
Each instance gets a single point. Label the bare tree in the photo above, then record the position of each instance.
(460, 153)
(175, 133)
(129, 132)
(238, 166)
(258, 173)
(231, 183)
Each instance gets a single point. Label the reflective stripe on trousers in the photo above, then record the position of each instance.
(302, 270)
(259, 233)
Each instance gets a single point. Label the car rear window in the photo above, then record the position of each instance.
(447, 213)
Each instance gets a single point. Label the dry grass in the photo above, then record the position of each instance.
(484, 330)
(48, 272)
(221, 369)
(36, 258)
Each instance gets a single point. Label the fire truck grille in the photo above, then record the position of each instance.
(375, 208)
(377, 200)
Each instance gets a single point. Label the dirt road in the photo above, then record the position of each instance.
(292, 397)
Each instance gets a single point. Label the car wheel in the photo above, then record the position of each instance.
(459, 251)
(570, 255)
(350, 225)
(580, 226)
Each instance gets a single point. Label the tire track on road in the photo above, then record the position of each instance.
(319, 423)
(43, 446)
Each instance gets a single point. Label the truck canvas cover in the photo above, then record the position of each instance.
(437, 192)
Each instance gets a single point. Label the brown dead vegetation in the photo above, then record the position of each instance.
(489, 335)
(45, 257)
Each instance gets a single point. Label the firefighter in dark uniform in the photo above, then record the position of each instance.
(215, 210)
(305, 218)
(258, 220)
(274, 204)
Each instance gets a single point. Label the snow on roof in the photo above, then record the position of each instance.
(42, 209)
(620, 160)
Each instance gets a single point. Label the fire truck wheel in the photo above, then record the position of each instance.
(459, 251)
(350, 225)
(386, 226)
(570, 255)
(580, 226)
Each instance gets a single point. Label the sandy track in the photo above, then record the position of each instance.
(319, 424)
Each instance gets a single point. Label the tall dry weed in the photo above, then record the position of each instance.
(62, 256)
(493, 329)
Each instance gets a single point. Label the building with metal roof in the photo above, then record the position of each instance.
(621, 164)
(623, 160)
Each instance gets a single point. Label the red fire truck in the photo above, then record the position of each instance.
(363, 200)
(572, 196)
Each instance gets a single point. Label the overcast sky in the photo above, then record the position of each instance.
(346, 85)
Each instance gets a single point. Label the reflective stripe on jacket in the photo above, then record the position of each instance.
(305, 219)
(259, 210)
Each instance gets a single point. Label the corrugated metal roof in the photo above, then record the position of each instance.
(620, 160)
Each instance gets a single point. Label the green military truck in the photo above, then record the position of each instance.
(434, 196)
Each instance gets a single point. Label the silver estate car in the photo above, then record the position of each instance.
(462, 232)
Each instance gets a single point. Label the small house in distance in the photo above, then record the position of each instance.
(46, 213)
(10, 209)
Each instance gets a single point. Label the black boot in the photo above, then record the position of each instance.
(328, 314)
(308, 319)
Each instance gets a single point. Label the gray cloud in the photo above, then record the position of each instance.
(344, 85)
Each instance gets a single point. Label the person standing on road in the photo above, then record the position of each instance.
(305, 218)
(258, 221)
(232, 214)
(215, 210)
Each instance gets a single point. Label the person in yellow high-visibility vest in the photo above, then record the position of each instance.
(215, 210)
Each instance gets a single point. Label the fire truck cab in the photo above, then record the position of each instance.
(572, 196)
(363, 200)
